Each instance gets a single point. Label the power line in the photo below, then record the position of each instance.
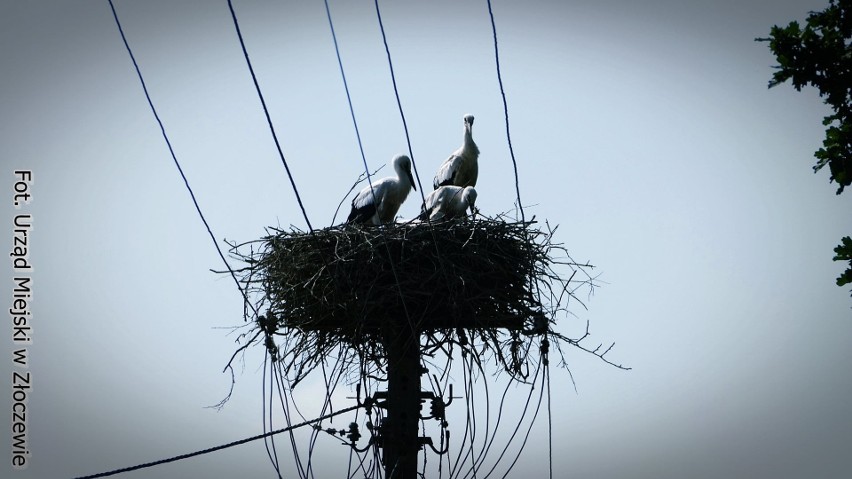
(268, 117)
(505, 110)
(364, 159)
(349, 99)
(217, 448)
(398, 102)
(174, 157)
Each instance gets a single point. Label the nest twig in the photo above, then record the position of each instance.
(485, 285)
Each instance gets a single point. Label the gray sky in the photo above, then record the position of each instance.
(645, 129)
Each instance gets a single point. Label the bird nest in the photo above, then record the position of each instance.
(483, 285)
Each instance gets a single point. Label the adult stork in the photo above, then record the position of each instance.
(448, 202)
(461, 168)
(379, 202)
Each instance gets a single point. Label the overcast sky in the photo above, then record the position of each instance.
(643, 128)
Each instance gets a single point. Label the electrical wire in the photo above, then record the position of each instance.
(219, 448)
(398, 101)
(366, 168)
(505, 110)
(174, 157)
(468, 367)
(268, 117)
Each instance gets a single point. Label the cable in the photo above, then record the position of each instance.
(367, 170)
(407, 137)
(549, 424)
(174, 157)
(505, 110)
(520, 422)
(218, 448)
(268, 117)
(349, 99)
(271, 451)
(398, 102)
(529, 429)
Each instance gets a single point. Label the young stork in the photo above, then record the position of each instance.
(379, 202)
(460, 169)
(448, 202)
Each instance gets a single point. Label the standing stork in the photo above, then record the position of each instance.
(461, 168)
(448, 202)
(379, 202)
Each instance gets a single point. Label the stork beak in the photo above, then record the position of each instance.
(411, 179)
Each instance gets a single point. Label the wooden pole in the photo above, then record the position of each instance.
(401, 439)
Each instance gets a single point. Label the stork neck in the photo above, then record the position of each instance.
(468, 141)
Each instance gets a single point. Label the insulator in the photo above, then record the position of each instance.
(353, 435)
(437, 408)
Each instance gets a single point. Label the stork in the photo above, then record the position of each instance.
(448, 202)
(379, 202)
(460, 169)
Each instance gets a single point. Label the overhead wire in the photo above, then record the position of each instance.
(304, 471)
(266, 112)
(174, 156)
(407, 136)
(398, 101)
(549, 425)
(331, 382)
(470, 425)
(532, 423)
(505, 110)
(267, 434)
(364, 159)
(269, 443)
(520, 423)
(220, 447)
(484, 451)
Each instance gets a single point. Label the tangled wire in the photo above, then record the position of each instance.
(485, 286)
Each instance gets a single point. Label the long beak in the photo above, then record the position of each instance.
(411, 179)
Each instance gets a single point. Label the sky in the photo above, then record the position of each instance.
(644, 129)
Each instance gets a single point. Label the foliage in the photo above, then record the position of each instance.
(820, 55)
(844, 253)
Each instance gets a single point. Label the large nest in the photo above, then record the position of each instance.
(487, 284)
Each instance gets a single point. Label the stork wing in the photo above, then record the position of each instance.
(447, 172)
(363, 206)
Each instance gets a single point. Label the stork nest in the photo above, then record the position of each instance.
(483, 285)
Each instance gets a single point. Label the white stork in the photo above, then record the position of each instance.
(448, 202)
(460, 169)
(379, 202)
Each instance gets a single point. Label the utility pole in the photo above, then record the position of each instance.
(401, 442)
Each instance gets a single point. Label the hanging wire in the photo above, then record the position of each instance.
(349, 99)
(549, 424)
(364, 159)
(303, 471)
(475, 459)
(519, 424)
(221, 447)
(268, 117)
(481, 456)
(505, 110)
(174, 157)
(532, 420)
(269, 443)
(407, 137)
(284, 400)
(398, 101)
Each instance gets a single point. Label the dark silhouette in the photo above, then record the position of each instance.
(820, 55)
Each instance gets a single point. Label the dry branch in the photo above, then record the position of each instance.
(485, 286)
